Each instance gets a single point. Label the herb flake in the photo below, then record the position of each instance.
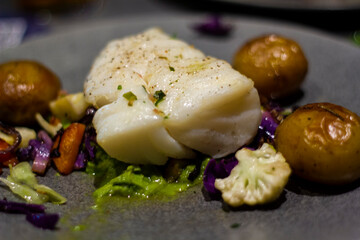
(131, 97)
(159, 96)
(119, 87)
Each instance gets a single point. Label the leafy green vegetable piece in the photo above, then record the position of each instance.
(132, 182)
(113, 177)
(25, 192)
(53, 196)
(23, 174)
(22, 182)
(104, 168)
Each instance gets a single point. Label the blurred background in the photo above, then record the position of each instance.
(22, 19)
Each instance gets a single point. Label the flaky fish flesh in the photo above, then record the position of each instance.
(159, 97)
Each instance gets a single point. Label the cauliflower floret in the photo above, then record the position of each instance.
(259, 177)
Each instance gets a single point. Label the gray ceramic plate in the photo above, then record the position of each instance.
(302, 212)
(304, 5)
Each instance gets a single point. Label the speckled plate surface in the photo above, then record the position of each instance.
(302, 5)
(302, 212)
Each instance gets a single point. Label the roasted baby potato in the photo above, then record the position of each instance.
(26, 87)
(321, 142)
(277, 65)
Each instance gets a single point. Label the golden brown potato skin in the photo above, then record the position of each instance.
(321, 142)
(277, 65)
(26, 87)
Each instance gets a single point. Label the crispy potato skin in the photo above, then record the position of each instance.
(321, 142)
(26, 87)
(277, 65)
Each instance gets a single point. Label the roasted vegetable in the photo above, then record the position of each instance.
(276, 64)
(69, 107)
(26, 135)
(9, 141)
(258, 178)
(66, 147)
(26, 87)
(8, 157)
(321, 142)
(52, 129)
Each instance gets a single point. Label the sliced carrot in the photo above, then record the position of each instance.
(67, 146)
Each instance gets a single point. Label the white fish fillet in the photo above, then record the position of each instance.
(208, 106)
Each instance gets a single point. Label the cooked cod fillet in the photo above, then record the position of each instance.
(206, 105)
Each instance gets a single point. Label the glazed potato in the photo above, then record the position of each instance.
(26, 87)
(277, 65)
(321, 142)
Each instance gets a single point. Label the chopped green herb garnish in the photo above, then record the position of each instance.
(172, 69)
(159, 96)
(130, 97)
(119, 87)
(162, 57)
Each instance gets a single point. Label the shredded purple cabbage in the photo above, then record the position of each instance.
(45, 139)
(90, 136)
(220, 168)
(15, 207)
(24, 154)
(37, 151)
(266, 131)
(268, 125)
(213, 26)
(87, 152)
(41, 149)
(43, 220)
(89, 115)
(35, 214)
(81, 161)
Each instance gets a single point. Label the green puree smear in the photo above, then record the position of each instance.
(115, 178)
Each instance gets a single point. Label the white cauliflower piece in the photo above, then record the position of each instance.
(259, 177)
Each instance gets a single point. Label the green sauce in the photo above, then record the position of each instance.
(115, 178)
